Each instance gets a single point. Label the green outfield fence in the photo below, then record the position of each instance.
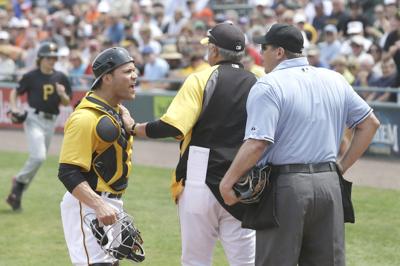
(151, 104)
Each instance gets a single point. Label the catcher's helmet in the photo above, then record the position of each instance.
(48, 49)
(249, 188)
(108, 60)
(120, 240)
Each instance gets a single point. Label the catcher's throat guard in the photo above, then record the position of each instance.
(121, 240)
(250, 187)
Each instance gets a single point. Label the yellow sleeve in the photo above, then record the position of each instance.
(79, 139)
(257, 71)
(185, 108)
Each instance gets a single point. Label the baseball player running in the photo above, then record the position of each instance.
(46, 88)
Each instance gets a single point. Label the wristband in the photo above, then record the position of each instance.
(133, 133)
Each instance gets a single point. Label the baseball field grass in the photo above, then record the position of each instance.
(34, 236)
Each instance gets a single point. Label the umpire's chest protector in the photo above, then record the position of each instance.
(111, 159)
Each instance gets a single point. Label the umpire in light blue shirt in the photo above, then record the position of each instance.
(296, 117)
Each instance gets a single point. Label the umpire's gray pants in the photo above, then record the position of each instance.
(311, 231)
(38, 131)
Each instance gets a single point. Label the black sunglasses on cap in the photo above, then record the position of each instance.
(210, 37)
(263, 47)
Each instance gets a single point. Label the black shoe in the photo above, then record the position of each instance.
(14, 202)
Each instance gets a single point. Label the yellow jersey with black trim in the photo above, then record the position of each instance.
(210, 111)
(95, 141)
(186, 107)
(183, 113)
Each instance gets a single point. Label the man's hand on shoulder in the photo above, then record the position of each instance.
(126, 118)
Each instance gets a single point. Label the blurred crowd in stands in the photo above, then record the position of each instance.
(359, 39)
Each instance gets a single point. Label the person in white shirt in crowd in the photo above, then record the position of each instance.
(147, 40)
(313, 56)
(155, 68)
(176, 23)
(330, 47)
(63, 64)
(7, 64)
(150, 24)
(365, 75)
(354, 28)
(357, 47)
(160, 18)
(77, 69)
(299, 20)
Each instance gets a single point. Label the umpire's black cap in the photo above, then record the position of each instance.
(284, 35)
(227, 36)
(108, 60)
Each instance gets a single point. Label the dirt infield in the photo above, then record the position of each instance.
(373, 172)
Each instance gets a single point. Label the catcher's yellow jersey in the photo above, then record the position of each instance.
(107, 161)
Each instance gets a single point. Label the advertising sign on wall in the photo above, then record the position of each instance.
(386, 139)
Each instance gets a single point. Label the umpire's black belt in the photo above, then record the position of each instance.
(109, 195)
(304, 168)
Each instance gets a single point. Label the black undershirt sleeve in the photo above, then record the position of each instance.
(159, 129)
(70, 175)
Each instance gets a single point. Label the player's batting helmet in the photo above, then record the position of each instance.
(48, 49)
(121, 240)
(108, 60)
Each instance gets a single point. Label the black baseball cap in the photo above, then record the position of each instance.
(227, 36)
(284, 35)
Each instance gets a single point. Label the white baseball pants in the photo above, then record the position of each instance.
(82, 245)
(203, 221)
(39, 132)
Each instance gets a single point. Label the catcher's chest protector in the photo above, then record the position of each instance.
(111, 164)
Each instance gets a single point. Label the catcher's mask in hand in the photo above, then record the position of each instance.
(120, 240)
(249, 187)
